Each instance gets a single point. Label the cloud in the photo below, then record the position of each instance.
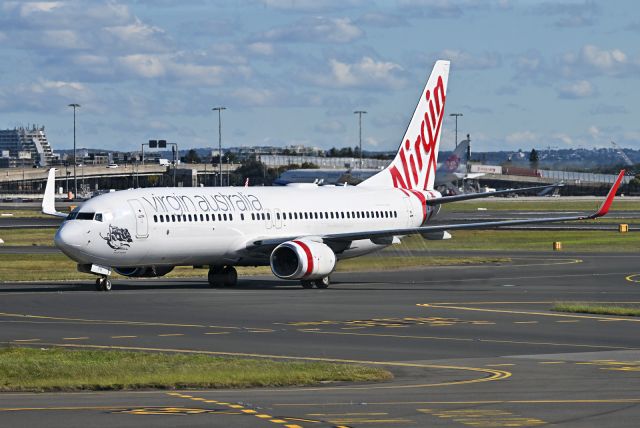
(176, 68)
(434, 8)
(520, 137)
(592, 60)
(366, 73)
(575, 90)
(312, 5)
(569, 14)
(464, 60)
(314, 30)
(333, 126)
(43, 95)
(382, 20)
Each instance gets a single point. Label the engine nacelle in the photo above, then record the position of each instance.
(302, 260)
(143, 272)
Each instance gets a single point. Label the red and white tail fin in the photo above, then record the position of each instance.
(414, 166)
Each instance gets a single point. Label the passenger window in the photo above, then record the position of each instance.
(173, 217)
(241, 216)
(155, 218)
(201, 217)
(277, 216)
(219, 217)
(161, 219)
(230, 217)
(189, 217)
(184, 217)
(224, 216)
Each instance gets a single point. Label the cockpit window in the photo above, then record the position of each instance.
(85, 216)
(98, 217)
(72, 215)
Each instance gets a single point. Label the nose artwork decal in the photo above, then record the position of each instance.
(118, 238)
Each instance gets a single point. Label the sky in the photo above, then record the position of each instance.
(524, 74)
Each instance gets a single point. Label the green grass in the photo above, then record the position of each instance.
(57, 267)
(22, 213)
(56, 369)
(528, 240)
(599, 309)
(28, 237)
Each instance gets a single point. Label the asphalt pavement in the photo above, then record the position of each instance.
(468, 346)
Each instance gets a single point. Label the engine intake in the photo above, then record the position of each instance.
(143, 272)
(302, 260)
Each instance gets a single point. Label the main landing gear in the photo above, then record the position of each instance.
(319, 283)
(103, 284)
(220, 276)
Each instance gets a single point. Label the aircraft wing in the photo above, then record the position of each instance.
(353, 236)
(468, 196)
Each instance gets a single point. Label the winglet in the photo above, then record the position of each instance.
(49, 199)
(604, 208)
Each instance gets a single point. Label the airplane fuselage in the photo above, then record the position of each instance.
(214, 226)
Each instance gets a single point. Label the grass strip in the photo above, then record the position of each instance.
(528, 240)
(23, 213)
(28, 237)
(57, 267)
(56, 369)
(598, 309)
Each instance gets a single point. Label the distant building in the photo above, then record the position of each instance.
(26, 146)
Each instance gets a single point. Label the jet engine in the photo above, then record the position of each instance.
(302, 260)
(143, 272)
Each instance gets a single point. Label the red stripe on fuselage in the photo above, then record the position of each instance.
(307, 251)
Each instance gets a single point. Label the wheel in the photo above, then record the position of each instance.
(99, 284)
(230, 276)
(106, 285)
(307, 284)
(215, 276)
(322, 282)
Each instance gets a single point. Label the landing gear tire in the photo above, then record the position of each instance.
(322, 282)
(215, 276)
(307, 284)
(230, 276)
(222, 276)
(103, 284)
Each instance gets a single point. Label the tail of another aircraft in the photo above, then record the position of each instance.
(414, 166)
(456, 162)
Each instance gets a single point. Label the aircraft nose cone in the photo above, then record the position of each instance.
(68, 238)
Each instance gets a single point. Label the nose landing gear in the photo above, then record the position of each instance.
(103, 284)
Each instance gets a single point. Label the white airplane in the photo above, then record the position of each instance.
(299, 230)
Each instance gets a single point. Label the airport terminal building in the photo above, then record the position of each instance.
(24, 147)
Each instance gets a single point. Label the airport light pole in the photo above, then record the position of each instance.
(75, 177)
(219, 110)
(456, 115)
(360, 113)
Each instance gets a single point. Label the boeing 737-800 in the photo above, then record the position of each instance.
(298, 230)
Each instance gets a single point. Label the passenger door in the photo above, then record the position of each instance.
(142, 225)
